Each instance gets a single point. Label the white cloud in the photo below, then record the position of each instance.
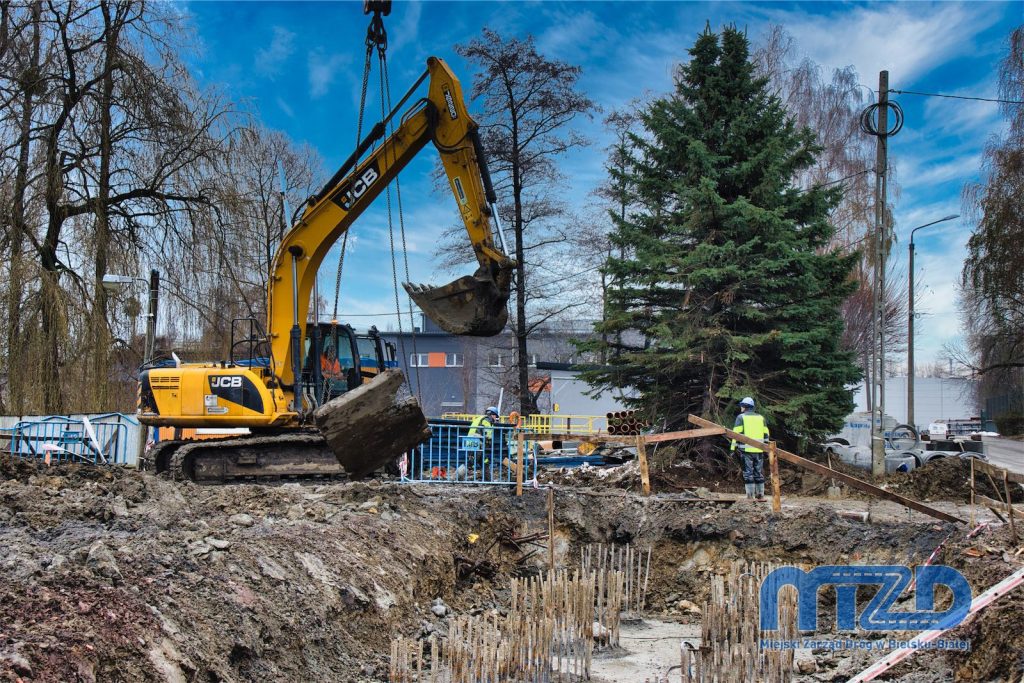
(929, 172)
(408, 29)
(323, 69)
(574, 36)
(907, 39)
(937, 262)
(269, 60)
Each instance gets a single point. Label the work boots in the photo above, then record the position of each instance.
(750, 490)
(759, 491)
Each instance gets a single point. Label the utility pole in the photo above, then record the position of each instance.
(878, 314)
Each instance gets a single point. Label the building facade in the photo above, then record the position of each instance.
(453, 374)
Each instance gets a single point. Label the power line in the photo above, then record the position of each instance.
(956, 97)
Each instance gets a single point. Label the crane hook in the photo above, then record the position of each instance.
(377, 7)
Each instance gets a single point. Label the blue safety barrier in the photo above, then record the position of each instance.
(454, 455)
(94, 440)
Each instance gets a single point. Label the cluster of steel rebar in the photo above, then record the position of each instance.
(634, 565)
(625, 423)
(547, 633)
(730, 649)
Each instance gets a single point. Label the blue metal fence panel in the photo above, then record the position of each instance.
(461, 454)
(65, 439)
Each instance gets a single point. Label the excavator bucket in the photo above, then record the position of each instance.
(473, 305)
(372, 425)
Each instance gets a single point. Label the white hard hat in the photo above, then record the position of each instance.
(747, 401)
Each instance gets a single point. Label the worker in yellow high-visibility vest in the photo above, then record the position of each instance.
(482, 427)
(749, 423)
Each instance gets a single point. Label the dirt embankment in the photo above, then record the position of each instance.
(120, 575)
(117, 575)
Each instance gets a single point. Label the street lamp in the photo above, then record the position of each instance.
(910, 322)
(115, 283)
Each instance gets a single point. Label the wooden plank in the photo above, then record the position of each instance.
(679, 436)
(997, 472)
(773, 468)
(716, 499)
(625, 438)
(645, 473)
(998, 505)
(521, 464)
(856, 483)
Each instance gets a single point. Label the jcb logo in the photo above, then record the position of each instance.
(358, 187)
(225, 382)
(450, 101)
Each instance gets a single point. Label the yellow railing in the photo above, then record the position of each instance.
(550, 424)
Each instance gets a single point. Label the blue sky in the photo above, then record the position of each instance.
(298, 66)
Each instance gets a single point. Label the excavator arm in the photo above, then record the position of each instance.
(472, 305)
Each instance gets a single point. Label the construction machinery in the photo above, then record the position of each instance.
(279, 381)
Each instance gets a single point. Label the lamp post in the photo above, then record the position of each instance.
(116, 282)
(910, 322)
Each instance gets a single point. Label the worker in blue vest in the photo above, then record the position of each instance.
(749, 423)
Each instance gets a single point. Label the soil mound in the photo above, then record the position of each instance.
(948, 479)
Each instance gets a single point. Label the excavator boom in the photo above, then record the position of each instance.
(473, 305)
(309, 375)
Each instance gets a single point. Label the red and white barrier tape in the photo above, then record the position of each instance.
(979, 603)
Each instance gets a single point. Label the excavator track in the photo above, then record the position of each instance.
(300, 454)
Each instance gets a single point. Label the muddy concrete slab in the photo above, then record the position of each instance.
(372, 425)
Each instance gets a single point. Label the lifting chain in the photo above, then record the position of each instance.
(376, 38)
(385, 107)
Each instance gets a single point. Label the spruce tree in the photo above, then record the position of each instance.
(728, 289)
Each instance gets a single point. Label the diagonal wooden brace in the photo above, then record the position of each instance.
(856, 483)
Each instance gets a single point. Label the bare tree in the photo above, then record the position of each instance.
(112, 158)
(992, 301)
(528, 102)
(22, 59)
(231, 242)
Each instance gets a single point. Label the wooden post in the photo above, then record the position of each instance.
(773, 467)
(521, 465)
(1009, 505)
(551, 531)
(972, 493)
(645, 474)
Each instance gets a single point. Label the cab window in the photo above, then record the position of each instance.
(367, 352)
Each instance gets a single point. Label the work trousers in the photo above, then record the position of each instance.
(753, 467)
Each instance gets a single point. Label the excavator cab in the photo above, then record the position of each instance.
(331, 362)
(375, 355)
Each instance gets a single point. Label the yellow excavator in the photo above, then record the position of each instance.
(280, 381)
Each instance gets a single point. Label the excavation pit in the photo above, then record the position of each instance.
(121, 575)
